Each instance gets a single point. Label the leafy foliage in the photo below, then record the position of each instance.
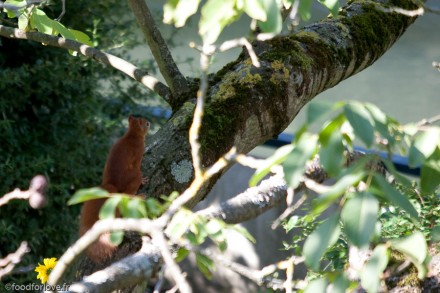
(370, 211)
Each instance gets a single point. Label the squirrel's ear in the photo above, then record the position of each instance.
(130, 118)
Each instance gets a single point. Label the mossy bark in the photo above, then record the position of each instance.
(248, 105)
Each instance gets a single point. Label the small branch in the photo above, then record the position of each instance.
(63, 10)
(100, 227)
(35, 194)
(198, 115)
(410, 13)
(8, 263)
(239, 43)
(127, 272)
(174, 78)
(165, 250)
(429, 121)
(105, 58)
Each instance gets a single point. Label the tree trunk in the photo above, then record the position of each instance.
(248, 105)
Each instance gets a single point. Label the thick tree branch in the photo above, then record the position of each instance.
(251, 203)
(174, 78)
(247, 106)
(106, 58)
(127, 272)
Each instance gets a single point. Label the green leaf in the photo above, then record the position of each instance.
(215, 16)
(179, 11)
(205, 264)
(274, 22)
(316, 286)
(255, 9)
(332, 5)
(359, 216)
(42, 22)
(318, 109)
(81, 37)
(108, 209)
(180, 223)
(430, 177)
(181, 254)
(134, 207)
(242, 230)
(361, 121)
(277, 158)
(331, 153)
(415, 248)
(23, 22)
(21, 4)
(291, 223)
(154, 208)
(372, 271)
(83, 195)
(324, 236)
(340, 284)
(382, 188)
(305, 8)
(435, 234)
(340, 187)
(424, 144)
(117, 237)
(294, 165)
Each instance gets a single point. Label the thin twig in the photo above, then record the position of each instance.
(165, 249)
(174, 78)
(63, 10)
(429, 121)
(8, 263)
(239, 43)
(411, 13)
(118, 63)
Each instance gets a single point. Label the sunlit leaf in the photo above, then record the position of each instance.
(359, 216)
(180, 223)
(362, 122)
(109, 207)
(277, 158)
(415, 248)
(372, 271)
(88, 194)
(205, 265)
(181, 254)
(179, 11)
(332, 5)
(424, 144)
(318, 109)
(317, 286)
(305, 9)
(324, 236)
(340, 284)
(331, 153)
(117, 237)
(294, 165)
(215, 15)
(255, 9)
(382, 188)
(274, 22)
(324, 200)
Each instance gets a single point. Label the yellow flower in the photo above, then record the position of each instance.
(44, 270)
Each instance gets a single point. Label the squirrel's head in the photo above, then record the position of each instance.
(138, 124)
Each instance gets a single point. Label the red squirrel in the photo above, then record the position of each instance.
(122, 174)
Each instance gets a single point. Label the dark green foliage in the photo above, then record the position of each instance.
(58, 117)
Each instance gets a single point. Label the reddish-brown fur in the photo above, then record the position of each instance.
(122, 174)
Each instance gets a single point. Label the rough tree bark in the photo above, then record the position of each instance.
(248, 105)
